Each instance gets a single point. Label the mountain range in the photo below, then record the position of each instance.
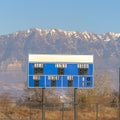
(15, 47)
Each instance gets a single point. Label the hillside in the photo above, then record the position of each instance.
(15, 47)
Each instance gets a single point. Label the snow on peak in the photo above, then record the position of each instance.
(88, 36)
(114, 34)
(37, 29)
(28, 31)
(111, 36)
(53, 30)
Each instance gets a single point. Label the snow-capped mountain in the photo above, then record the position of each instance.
(15, 47)
(19, 44)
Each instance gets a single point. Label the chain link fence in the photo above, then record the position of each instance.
(62, 111)
(12, 81)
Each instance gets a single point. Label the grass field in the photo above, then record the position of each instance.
(24, 113)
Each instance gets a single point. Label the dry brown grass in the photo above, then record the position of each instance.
(24, 113)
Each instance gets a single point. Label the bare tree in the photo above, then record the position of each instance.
(34, 96)
(101, 92)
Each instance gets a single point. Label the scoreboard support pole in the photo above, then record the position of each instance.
(75, 105)
(43, 103)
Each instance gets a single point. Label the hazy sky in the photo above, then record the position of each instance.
(96, 16)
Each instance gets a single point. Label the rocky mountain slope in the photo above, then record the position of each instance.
(15, 47)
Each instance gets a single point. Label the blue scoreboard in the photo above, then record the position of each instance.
(60, 71)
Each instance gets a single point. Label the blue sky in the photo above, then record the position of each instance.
(97, 16)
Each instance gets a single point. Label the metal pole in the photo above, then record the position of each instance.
(30, 110)
(62, 111)
(75, 104)
(30, 102)
(96, 111)
(43, 104)
(119, 96)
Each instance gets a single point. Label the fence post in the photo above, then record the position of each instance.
(43, 104)
(30, 110)
(62, 111)
(75, 104)
(96, 111)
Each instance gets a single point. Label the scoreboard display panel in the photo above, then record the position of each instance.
(60, 71)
